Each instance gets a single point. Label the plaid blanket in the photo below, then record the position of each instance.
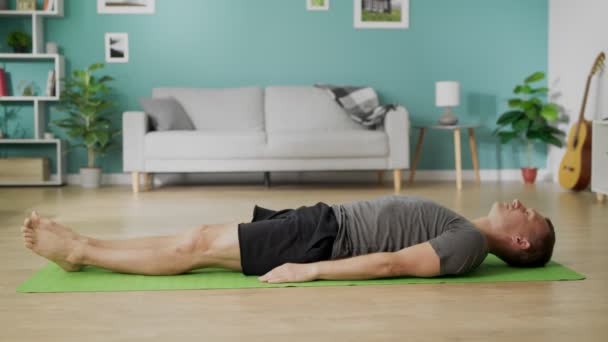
(361, 103)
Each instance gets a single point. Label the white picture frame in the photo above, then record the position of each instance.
(311, 6)
(403, 6)
(117, 47)
(126, 6)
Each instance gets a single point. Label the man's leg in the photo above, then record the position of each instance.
(133, 243)
(205, 246)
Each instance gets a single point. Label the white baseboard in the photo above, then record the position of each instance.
(314, 177)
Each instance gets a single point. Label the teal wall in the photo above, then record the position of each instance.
(488, 45)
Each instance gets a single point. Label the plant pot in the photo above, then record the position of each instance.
(90, 178)
(529, 174)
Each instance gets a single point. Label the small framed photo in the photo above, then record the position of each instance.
(382, 14)
(117, 47)
(126, 6)
(317, 5)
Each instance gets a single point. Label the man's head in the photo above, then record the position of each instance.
(526, 238)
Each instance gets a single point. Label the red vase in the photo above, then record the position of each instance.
(529, 174)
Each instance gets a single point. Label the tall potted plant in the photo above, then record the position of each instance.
(85, 100)
(528, 120)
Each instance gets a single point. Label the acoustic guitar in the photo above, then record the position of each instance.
(575, 169)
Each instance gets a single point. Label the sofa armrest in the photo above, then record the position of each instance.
(134, 129)
(397, 127)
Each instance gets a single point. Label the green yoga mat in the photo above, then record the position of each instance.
(53, 279)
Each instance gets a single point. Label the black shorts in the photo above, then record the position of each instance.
(301, 235)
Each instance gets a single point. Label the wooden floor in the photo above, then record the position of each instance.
(544, 311)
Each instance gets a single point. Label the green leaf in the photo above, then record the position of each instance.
(514, 103)
(90, 139)
(521, 124)
(550, 112)
(540, 90)
(95, 66)
(537, 76)
(505, 137)
(509, 117)
(550, 139)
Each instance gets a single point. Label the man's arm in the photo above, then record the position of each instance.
(419, 261)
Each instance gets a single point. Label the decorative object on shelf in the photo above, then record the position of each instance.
(575, 168)
(26, 5)
(126, 6)
(447, 94)
(117, 47)
(3, 83)
(317, 5)
(528, 120)
(49, 5)
(26, 88)
(50, 84)
(19, 41)
(85, 100)
(3, 5)
(52, 48)
(1, 134)
(49, 136)
(382, 14)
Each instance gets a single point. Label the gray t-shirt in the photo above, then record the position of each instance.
(391, 223)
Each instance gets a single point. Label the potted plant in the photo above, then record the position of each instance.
(19, 41)
(85, 100)
(528, 120)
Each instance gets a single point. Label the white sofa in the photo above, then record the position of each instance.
(280, 128)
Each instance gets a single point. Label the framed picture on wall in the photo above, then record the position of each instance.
(126, 6)
(317, 5)
(382, 14)
(117, 48)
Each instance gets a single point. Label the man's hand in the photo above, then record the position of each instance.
(290, 273)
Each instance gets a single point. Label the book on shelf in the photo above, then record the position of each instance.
(3, 83)
(50, 84)
(49, 5)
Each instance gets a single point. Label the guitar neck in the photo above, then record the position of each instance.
(581, 116)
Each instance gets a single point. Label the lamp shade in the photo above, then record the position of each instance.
(447, 94)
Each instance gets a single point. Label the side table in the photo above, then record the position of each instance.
(457, 150)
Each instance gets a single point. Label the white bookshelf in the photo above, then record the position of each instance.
(39, 103)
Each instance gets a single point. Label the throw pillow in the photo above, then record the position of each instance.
(166, 114)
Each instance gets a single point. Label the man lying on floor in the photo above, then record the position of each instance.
(389, 236)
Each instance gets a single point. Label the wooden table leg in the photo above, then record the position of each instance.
(458, 158)
(474, 154)
(397, 180)
(416, 155)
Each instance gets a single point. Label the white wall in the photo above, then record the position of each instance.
(578, 31)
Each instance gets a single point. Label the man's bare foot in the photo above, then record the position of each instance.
(58, 229)
(60, 249)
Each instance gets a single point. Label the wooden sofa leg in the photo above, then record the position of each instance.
(148, 181)
(381, 177)
(397, 180)
(135, 181)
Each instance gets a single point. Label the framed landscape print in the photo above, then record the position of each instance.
(382, 14)
(317, 5)
(117, 48)
(126, 6)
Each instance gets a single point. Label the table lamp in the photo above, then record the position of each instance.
(447, 94)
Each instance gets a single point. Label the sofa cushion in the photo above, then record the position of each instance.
(237, 109)
(338, 144)
(166, 114)
(204, 145)
(304, 108)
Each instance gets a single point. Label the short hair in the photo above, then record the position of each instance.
(537, 255)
